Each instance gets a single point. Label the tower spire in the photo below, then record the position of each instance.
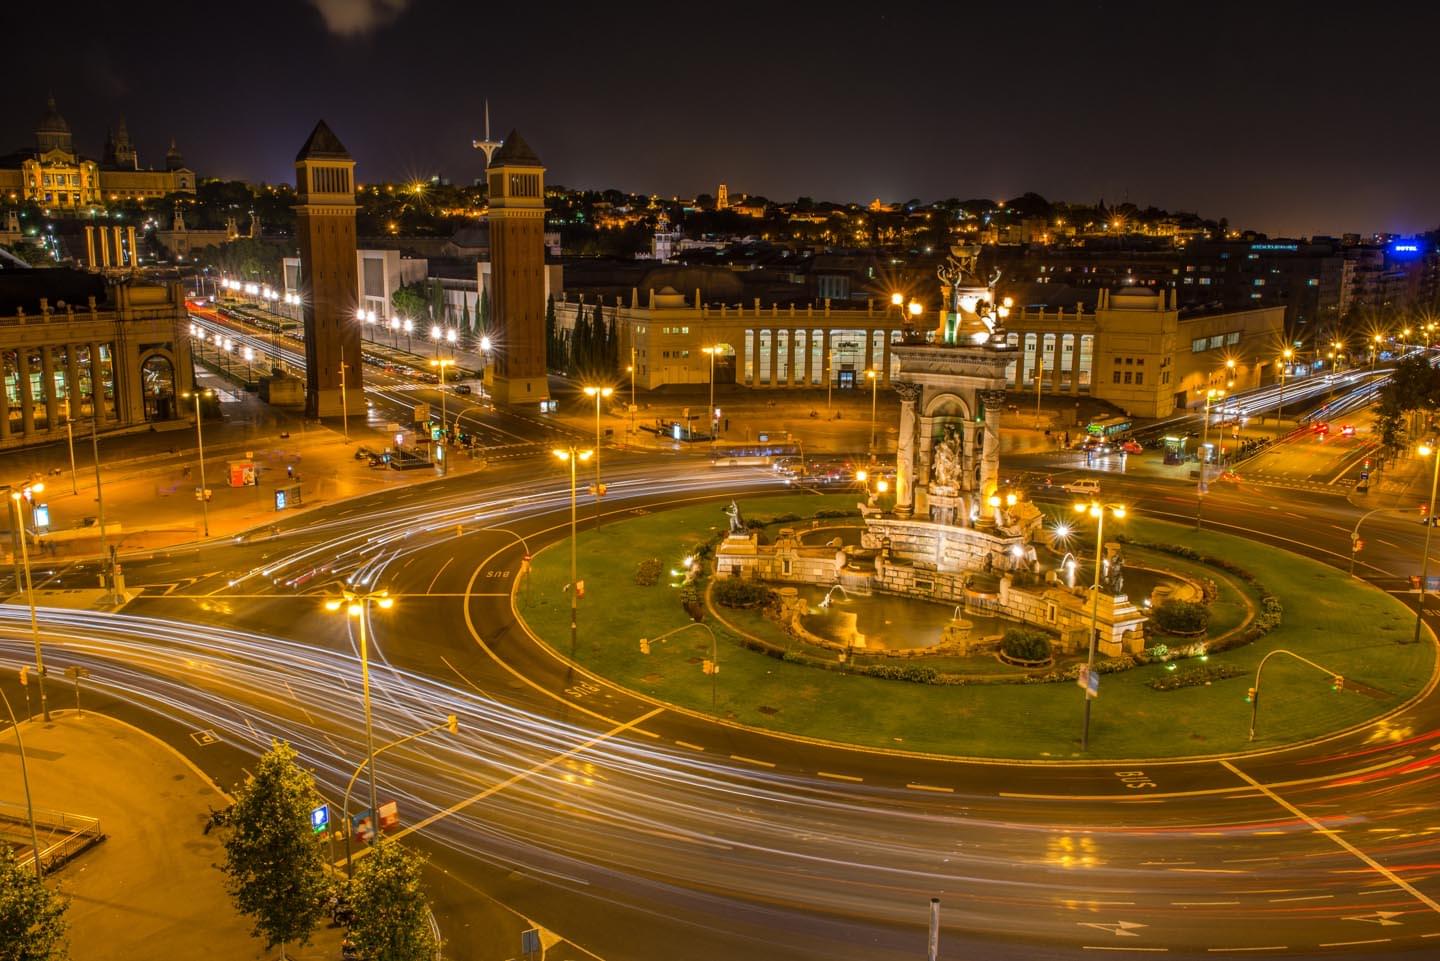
(487, 145)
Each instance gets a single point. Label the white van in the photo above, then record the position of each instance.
(1081, 485)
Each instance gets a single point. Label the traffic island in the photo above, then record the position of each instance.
(642, 574)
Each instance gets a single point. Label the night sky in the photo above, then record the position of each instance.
(1292, 118)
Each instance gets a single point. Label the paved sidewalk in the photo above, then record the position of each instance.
(151, 890)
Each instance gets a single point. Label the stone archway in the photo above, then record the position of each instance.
(157, 384)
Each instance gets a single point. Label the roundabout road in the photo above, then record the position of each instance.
(641, 831)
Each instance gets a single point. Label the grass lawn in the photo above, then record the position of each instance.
(1344, 625)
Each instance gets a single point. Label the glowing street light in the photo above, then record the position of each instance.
(441, 364)
(1096, 510)
(1427, 450)
(1285, 356)
(200, 448)
(357, 605)
(27, 492)
(713, 352)
(874, 378)
(1202, 488)
(598, 393)
(572, 456)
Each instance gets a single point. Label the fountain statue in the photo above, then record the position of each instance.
(737, 522)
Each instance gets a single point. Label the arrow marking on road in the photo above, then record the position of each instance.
(1123, 929)
(1381, 918)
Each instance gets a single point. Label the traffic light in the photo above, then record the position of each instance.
(710, 667)
(1250, 696)
(644, 645)
(1337, 683)
(1358, 545)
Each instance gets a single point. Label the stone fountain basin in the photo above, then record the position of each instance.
(886, 622)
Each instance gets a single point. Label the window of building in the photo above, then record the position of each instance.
(1204, 281)
(1233, 337)
(1127, 376)
(1197, 345)
(1217, 340)
(1139, 361)
(1139, 377)
(1259, 281)
(1117, 377)
(1165, 377)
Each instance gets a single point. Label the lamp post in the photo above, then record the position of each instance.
(344, 404)
(200, 447)
(249, 364)
(1285, 356)
(571, 455)
(874, 378)
(829, 378)
(435, 334)
(712, 351)
(358, 606)
(25, 778)
(441, 364)
(70, 439)
(451, 724)
(408, 326)
(1202, 488)
(1427, 450)
(17, 494)
(598, 393)
(1096, 510)
(1374, 350)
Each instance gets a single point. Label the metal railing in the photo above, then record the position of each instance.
(67, 834)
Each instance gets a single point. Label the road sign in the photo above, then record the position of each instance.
(389, 815)
(42, 517)
(1089, 680)
(362, 825)
(320, 819)
(530, 941)
(25, 677)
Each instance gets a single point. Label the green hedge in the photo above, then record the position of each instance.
(1024, 644)
(1181, 617)
(1195, 676)
(734, 592)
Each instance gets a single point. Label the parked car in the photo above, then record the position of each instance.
(464, 389)
(1131, 447)
(1081, 485)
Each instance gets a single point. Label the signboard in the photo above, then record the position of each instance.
(320, 819)
(242, 473)
(287, 497)
(421, 414)
(42, 517)
(530, 941)
(1089, 680)
(389, 816)
(362, 825)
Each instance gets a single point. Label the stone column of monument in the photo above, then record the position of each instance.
(517, 373)
(993, 400)
(325, 229)
(905, 450)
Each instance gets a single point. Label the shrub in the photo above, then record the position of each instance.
(900, 672)
(1194, 676)
(1025, 645)
(734, 592)
(1181, 617)
(829, 513)
(647, 574)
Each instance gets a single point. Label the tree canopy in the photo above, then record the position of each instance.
(32, 917)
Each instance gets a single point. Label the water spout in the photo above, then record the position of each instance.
(1068, 565)
(825, 603)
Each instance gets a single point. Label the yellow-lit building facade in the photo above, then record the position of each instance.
(55, 177)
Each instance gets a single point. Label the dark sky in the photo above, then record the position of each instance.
(1293, 118)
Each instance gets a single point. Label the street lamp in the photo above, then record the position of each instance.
(712, 351)
(408, 326)
(1096, 510)
(442, 364)
(874, 378)
(1285, 356)
(451, 724)
(200, 448)
(1427, 450)
(357, 605)
(17, 494)
(598, 393)
(1200, 490)
(571, 455)
(435, 334)
(249, 364)
(1374, 350)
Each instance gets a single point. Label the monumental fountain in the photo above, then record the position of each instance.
(955, 535)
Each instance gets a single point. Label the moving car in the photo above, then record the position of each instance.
(1081, 485)
(1131, 447)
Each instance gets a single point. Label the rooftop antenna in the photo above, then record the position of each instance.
(487, 145)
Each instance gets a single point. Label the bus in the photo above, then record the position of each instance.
(1108, 428)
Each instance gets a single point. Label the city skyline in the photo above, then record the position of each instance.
(1263, 131)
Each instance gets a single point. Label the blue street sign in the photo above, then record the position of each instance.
(320, 819)
(362, 825)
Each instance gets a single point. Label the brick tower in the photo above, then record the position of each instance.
(325, 227)
(516, 374)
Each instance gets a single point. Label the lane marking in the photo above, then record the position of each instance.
(693, 747)
(1201, 904)
(448, 561)
(521, 776)
(1209, 792)
(1308, 897)
(751, 760)
(1319, 828)
(1268, 947)
(931, 787)
(1104, 947)
(1343, 944)
(841, 777)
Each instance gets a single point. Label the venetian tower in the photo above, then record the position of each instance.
(325, 228)
(516, 375)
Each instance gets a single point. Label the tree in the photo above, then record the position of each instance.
(468, 340)
(482, 310)
(553, 356)
(273, 867)
(410, 301)
(32, 918)
(391, 913)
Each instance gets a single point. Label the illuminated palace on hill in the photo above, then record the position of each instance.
(53, 175)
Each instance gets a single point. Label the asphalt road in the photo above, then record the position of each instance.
(640, 831)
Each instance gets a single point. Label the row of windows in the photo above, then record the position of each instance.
(1201, 344)
(675, 330)
(1138, 380)
(676, 354)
